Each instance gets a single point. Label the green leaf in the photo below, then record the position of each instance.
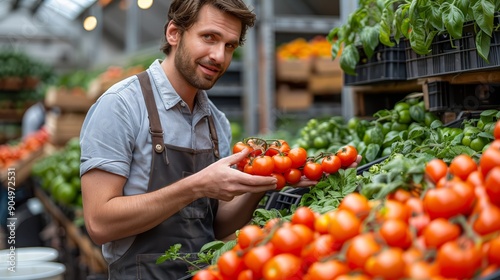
(349, 59)
(372, 151)
(335, 48)
(463, 5)
(483, 12)
(435, 16)
(214, 245)
(453, 19)
(483, 42)
(385, 28)
(418, 39)
(171, 254)
(370, 39)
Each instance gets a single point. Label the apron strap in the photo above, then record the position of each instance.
(213, 135)
(154, 119)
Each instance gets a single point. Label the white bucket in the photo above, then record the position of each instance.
(23, 254)
(34, 271)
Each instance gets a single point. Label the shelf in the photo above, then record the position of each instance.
(305, 24)
(91, 254)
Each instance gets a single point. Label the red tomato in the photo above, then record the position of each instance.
(292, 176)
(489, 159)
(249, 236)
(387, 264)
(326, 270)
(360, 248)
(394, 209)
(440, 231)
(246, 274)
(281, 163)
(283, 266)
(396, 233)
(240, 146)
(357, 204)
(312, 170)
(344, 225)
(305, 216)
(487, 220)
(436, 169)
(207, 274)
(330, 164)
(257, 257)
(421, 270)
(281, 181)
(494, 248)
(462, 165)
(348, 155)
(263, 165)
(324, 245)
(459, 258)
(277, 147)
(230, 264)
(286, 240)
(442, 203)
(298, 156)
(492, 185)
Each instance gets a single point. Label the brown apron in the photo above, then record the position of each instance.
(192, 226)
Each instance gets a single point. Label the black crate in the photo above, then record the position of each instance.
(452, 56)
(386, 64)
(285, 199)
(445, 57)
(444, 97)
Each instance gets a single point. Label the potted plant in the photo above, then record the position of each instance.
(438, 33)
(364, 44)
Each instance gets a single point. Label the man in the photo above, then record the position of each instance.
(156, 165)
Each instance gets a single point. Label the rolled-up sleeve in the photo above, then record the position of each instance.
(107, 136)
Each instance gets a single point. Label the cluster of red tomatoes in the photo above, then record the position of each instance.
(449, 231)
(288, 165)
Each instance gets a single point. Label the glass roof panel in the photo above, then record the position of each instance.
(69, 8)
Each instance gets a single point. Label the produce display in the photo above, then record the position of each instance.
(15, 152)
(59, 175)
(445, 226)
(276, 158)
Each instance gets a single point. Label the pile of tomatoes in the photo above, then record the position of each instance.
(288, 165)
(451, 230)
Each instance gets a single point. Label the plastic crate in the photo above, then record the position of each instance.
(386, 64)
(470, 57)
(445, 57)
(452, 56)
(470, 97)
(285, 199)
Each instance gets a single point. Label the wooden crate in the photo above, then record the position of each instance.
(68, 100)
(63, 127)
(288, 98)
(293, 70)
(325, 84)
(325, 65)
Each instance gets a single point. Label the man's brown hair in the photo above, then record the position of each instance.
(184, 14)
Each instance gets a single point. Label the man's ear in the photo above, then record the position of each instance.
(172, 34)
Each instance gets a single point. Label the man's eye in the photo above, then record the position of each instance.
(208, 37)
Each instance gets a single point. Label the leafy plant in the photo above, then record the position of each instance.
(420, 21)
(363, 28)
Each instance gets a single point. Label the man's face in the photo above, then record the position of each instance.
(205, 50)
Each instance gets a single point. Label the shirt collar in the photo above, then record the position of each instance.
(167, 92)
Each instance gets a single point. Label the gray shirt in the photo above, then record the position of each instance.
(115, 134)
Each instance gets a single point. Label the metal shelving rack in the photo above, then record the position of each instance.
(260, 83)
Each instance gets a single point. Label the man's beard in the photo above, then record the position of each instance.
(188, 70)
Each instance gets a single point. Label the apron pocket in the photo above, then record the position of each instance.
(197, 209)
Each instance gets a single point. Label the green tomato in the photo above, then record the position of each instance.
(478, 144)
(353, 123)
(480, 124)
(412, 101)
(396, 126)
(320, 142)
(429, 118)
(400, 106)
(404, 116)
(466, 140)
(386, 127)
